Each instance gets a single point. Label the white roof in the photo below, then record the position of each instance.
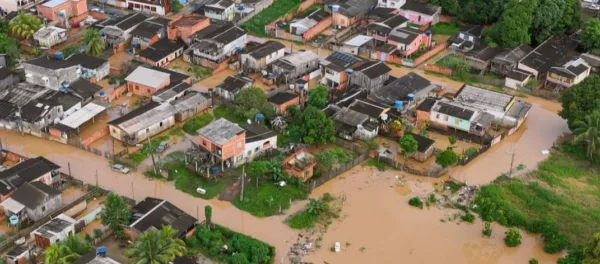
(358, 41)
(82, 115)
(147, 77)
(12, 205)
(148, 118)
(47, 31)
(53, 3)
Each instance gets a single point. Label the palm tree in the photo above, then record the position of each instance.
(275, 170)
(25, 25)
(67, 251)
(156, 247)
(77, 245)
(315, 207)
(588, 131)
(93, 41)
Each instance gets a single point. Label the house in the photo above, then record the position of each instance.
(49, 36)
(220, 10)
(295, 65)
(143, 122)
(411, 88)
(258, 57)
(55, 230)
(161, 53)
(359, 43)
(466, 38)
(409, 40)
(215, 44)
(592, 60)
(551, 52)
(18, 255)
(32, 201)
(372, 109)
(71, 124)
(117, 31)
(96, 256)
(284, 100)
(569, 74)
(9, 7)
(335, 69)
(149, 32)
(517, 79)
(424, 147)
(232, 85)
(370, 75)
(183, 26)
(47, 110)
(259, 141)
(505, 109)
(73, 11)
(351, 125)
(153, 214)
(424, 109)
(55, 73)
(225, 140)
(300, 164)
(395, 4)
(84, 89)
(172, 92)
(189, 105)
(420, 12)
(505, 62)
(7, 78)
(378, 13)
(30, 170)
(381, 29)
(22, 93)
(158, 7)
(450, 115)
(91, 68)
(481, 56)
(310, 24)
(348, 12)
(146, 81)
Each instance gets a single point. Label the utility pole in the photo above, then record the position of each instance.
(513, 151)
(197, 214)
(152, 155)
(242, 193)
(132, 192)
(20, 120)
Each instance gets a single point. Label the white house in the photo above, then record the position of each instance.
(257, 58)
(232, 85)
(220, 9)
(159, 7)
(259, 140)
(143, 122)
(516, 79)
(391, 3)
(222, 42)
(54, 231)
(50, 36)
(569, 74)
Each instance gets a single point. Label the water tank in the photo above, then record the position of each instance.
(301, 86)
(58, 55)
(259, 117)
(13, 220)
(101, 251)
(335, 8)
(102, 93)
(410, 97)
(384, 117)
(292, 87)
(428, 32)
(398, 104)
(63, 90)
(349, 71)
(238, 49)
(66, 84)
(214, 170)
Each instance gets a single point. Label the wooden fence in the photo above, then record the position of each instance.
(435, 173)
(325, 177)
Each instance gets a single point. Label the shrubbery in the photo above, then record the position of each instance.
(513, 238)
(416, 202)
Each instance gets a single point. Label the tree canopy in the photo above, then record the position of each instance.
(587, 131)
(580, 100)
(590, 34)
(591, 251)
(67, 251)
(446, 158)
(513, 28)
(252, 101)
(156, 247)
(314, 127)
(25, 25)
(547, 19)
(93, 41)
(116, 214)
(318, 97)
(11, 48)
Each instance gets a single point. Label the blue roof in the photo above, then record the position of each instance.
(53, 3)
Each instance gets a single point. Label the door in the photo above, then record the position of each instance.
(382, 56)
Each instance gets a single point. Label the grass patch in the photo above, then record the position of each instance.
(307, 219)
(177, 132)
(380, 165)
(302, 220)
(268, 198)
(445, 29)
(201, 72)
(142, 154)
(256, 25)
(223, 111)
(197, 122)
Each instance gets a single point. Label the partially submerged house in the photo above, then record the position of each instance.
(259, 141)
(143, 122)
(592, 60)
(335, 69)
(481, 56)
(232, 85)
(450, 115)
(569, 74)
(32, 201)
(117, 31)
(257, 58)
(55, 230)
(411, 89)
(7, 78)
(421, 13)
(300, 164)
(49, 109)
(507, 61)
(370, 75)
(284, 100)
(154, 214)
(30, 170)
(50, 36)
(552, 52)
(517, 79)
(96, 256)
(348, 12)
(352, 125)
(161, 53)
(55, 73)
(310, 24)
(295, 65)
(190, 105)
(424, 147)
(225, 140)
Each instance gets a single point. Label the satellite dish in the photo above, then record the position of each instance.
(384, 117)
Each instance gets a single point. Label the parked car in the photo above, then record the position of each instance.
(120, 168)
(162, 146)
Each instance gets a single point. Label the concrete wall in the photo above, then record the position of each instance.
(55, 77)
(227, 15)
(49, 206)
(282, 109)
(51, 40)
(141, 6)
(232, 148)
(72, 8)
(318, 28)
(184, 32)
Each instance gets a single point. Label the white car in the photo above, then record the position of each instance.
(120, 168)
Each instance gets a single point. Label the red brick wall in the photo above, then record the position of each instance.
(438, 69)
(318, 28)
(439, 47)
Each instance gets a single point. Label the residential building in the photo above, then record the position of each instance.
(516, 79)
(146, 81)
(466, 38)
(424, 147)
(50, 36)
(39, 114)
(158, 7)
(183, 26)
(96, 256)
(420, 12)
(352, 125)
(300, 164)
(481, 56)
(70, 125)
(117, 31)
(171, 93)
(449, 115)
(506, 62)
(18, 255)
(149, 32)
(153, 214)
(143, 122)
(220, 10)
(30, 170)
(161, 53)
(395, 4)
(372, 109)
(7, 78)
(359, 43)
(348, 12)
(259, 141)
(70, 11)
(295, 65)
(284, 100)
(257, 58)
(11, 8)
(190, 105)
(381, 29)
(232, 85)
(424, 110)
(569, 74)
(370, 75)
(224, 139)
(32, 201)
(379, 13)
(310, 24)
(592, 60)
(411, 88)
(551, 52)
(409, 40)
(84, 89)
(215, 44)
(335, 69)
(56, 73)
(55, 230)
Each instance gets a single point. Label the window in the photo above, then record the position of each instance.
(256, 149)
(43, 208)
(445, 118)
(456, 121)
(153, 9)
(114, 131)
(148, 90)
(137, 87)
(437, 116)
(160, 124)
(419, 19)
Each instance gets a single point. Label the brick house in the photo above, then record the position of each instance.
(184, 26)
(310, 24)
(57, 10)
(409, 40)
(421, 13)
(146, 81)
(424, 110)
(283, 100)
(224, 139)
(300, 164)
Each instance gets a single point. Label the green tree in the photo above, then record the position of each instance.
(316, 207)
(580, 100)
(4, 26)
(24, 25)
(176, 6)
(116, 214)
(575, 256)
(11, 48)
(293, 110)
(590, 34)
(156, 247)
(547, 19)
(513, 28)
(67, 251)
(317, 97)
(70, 50)
(446, 158)
(587, 131)
(93, 41)
(591, 251)
(275, 170)
(487, 229)
(409, 145)
(371, 145)
(452, 141)
(252, 101)
(97, 233)
(314, 127)
(449, 7)
(480, 12)
(513, 238)
(326, 160)
(257, 169)
(208, 215)
(571, 20)
(239, 258)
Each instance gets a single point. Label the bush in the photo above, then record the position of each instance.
(471, 151)
(468, 217)
(513, 238)
(327, 197)
(533, 261)
(416, 202)
(487, 229)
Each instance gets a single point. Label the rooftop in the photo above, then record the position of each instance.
(161, 49)
(512, 56)
(171, 91)
(256, 132)
(22, 93)
(221, 131)
(483, 99)
(156, 213)
(571, 69)
(34, 194)
(591, 59)
(350, 117)
(358, 41)
(400, 88)
(474, 30)
(421, 7)
(518, 75)
(352, 8)
(483, 52)
(82, 115)
(187, 20)
(84, 88)
(340, 61)
(54, 3)
(54, 226)
(147, 77)
(144, 117)
(454, 110)
(24, 171)
(554, 51)
(234, 83)
(129, 21)
(386, 24)
(92, 258)
(424, 143)
(373, 69)
(405, 35)
(300, 58)
(282, 97)
(265, 49)
(47, 32)
(369, 108)
(427, 104)
(146, 29)
(189, 101)
(311, 18)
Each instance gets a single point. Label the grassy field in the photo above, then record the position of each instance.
(560, 199)
(256, 25)
(268, 198)
(444, 29)
(144, 152)
(229, 114)
(199, 121)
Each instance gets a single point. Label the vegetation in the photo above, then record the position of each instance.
(230, 114)
(176, 6)
(331, 158)
(409, 146)
(25, 25)
(580, 100)
(590, 34)
(318, 97)
(513, 238)
(458, 65)
(71, 50)
(208, 215)
(446, 158)
(468, 217)
(93, 41)
(156, 246)
(267, 199)
(11, 48)
(143, 153)
(587, 131)
(487, 229)
(116, 214)
(445, 29)
(201, 72)
(252, 101)
(191, 126)
(316, 212)
(256, 25)
(533, 261)
(591, 252)
(313, 127)
(67, 251)
(416, 202)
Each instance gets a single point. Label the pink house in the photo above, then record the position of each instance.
(421, 13)
(409, 40)
(55, 10)
(226, 140)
